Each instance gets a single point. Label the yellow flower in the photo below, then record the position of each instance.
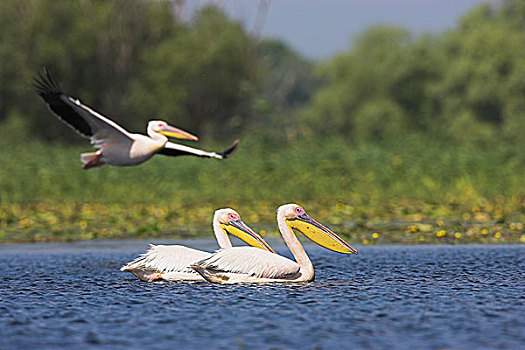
(414, 228)
(365, 241)
(441, 233)
(522, 238)
(497, 235)
(375, 235)
(484, 231)
(457, 235)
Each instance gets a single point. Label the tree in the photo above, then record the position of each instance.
(366, 90)
(92, 47)
(130, 60)
(482, 89)
(465, 85)
(288, 81)
(202, 78)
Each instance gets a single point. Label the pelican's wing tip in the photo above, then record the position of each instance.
(45, 84)
(230, 150)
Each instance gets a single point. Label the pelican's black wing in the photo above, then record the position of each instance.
(74, 114)
(49, 89)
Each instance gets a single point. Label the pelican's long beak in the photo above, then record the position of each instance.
(320, 234)
(240, 230)
(177, 133)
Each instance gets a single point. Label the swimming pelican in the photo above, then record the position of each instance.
(116, 145)
(245, 264)
(172, 262)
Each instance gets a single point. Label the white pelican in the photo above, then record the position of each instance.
(172, 262)
(116, 145)
(245, 264)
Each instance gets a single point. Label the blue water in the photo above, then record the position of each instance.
(73, 296)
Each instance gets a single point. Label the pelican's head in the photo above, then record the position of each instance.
(297, 218)
(230, 221)
(161, 127)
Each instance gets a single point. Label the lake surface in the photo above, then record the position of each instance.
(73, 296)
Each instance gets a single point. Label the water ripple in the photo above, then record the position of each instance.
(459, 297)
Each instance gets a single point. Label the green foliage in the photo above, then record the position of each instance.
(465, 86)
(482, 88)
(202, 77)
(288, 82)
(425, 132)
(136, 60)
(379, 88)
(93, 47)
(45, 194)
(131, 60)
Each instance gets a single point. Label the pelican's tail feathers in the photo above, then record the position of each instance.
(91, 160)
(208, 274)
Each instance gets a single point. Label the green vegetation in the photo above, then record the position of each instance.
(357, 190)
(400, 139)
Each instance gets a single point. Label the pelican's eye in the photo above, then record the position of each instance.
(299, 211)
(233, 217)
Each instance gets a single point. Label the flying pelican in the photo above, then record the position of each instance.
(172, 262)
(116, 145)
(245, 264)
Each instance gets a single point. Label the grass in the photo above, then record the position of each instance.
(396, 193)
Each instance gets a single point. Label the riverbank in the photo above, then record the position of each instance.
(51, 222)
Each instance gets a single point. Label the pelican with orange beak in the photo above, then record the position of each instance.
(246, 264)
(116, 146)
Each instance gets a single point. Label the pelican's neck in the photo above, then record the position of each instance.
(222, 237)
(159, 139)
(307, 269)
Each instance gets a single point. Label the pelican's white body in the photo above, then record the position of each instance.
(136, 150)
(171, 261)
(249, 264)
